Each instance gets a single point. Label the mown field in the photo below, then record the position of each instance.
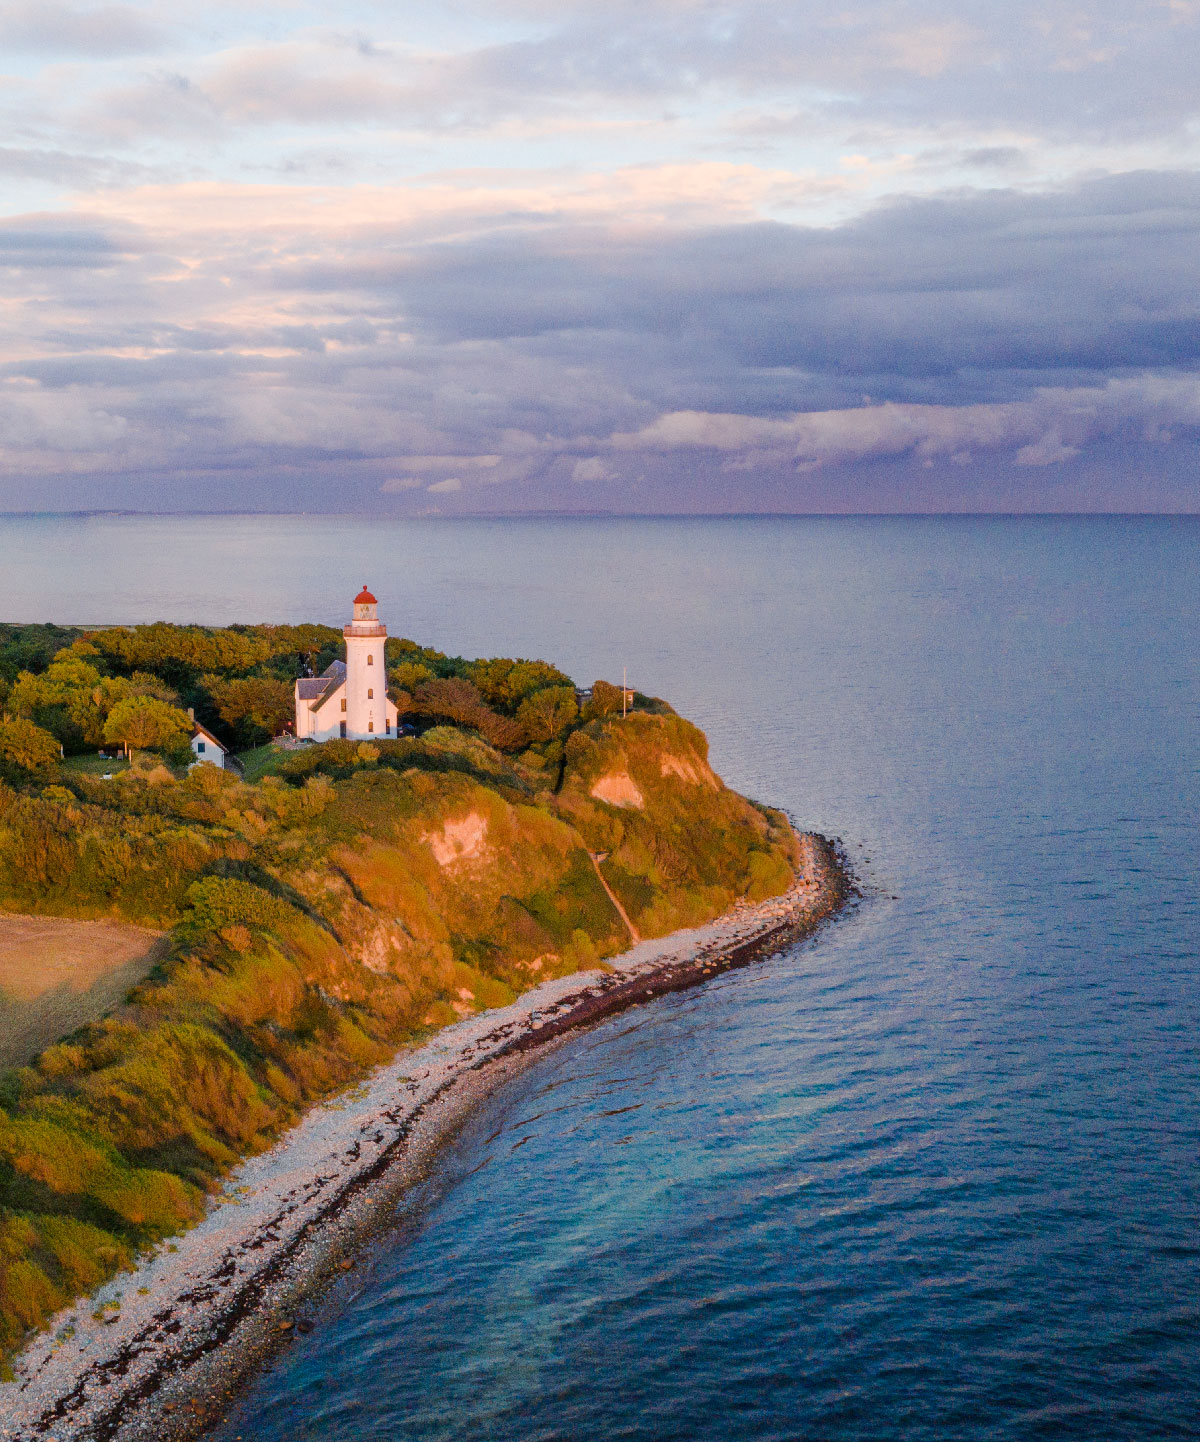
(57, 974)
(350, 899)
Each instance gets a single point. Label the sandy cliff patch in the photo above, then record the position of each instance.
(694, 771)
(460, 840)
(378, 950)
(618, 788)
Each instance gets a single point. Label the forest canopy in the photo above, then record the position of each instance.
(237, 681)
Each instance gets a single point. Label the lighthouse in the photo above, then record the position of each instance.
(350, 700)
(366, 672)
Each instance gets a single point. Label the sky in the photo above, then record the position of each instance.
(638, 256)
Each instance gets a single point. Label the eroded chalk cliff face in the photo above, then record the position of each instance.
(318, 920)
(452, 877)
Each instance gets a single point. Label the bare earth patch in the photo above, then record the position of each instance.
(695, 772)
(56, 974)
(459, 840)
(618, 788)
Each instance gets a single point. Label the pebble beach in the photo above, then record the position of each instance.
(158, 1352)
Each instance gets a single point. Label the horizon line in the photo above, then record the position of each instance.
(518, 515)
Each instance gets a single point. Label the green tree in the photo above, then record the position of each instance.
(146, 723)
(72, 700)
(547, 713)
(257, 707)
(26, 749)
(61, 700)
(458, 700)
(408, 675)
(144, 683)
(30, 648)
(606, 700)
(505, 683)
(180, 653)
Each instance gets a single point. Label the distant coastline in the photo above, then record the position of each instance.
(200, 1315)
(592, 513)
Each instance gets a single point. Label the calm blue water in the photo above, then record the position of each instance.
(935, 1174)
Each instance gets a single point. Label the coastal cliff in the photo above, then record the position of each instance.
(352, 901)
(157, 1356)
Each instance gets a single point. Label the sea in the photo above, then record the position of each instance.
(933, 1173)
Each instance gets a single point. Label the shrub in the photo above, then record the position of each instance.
(217, 902)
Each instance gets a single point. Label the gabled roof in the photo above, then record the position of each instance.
(314, 688)
(198, 730)
(335, 688)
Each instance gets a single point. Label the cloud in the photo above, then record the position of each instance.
(41, 430)
(591, 469)
(418, 336)
(441, 488)
(714, 247)
(1050, 428)
(441, 463)
(83, 30)
(699, 76)
(45, 241)
(68, 168)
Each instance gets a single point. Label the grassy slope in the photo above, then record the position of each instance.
(316, 923)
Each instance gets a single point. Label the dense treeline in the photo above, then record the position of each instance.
(31, 648)
(133, 686)
(357, 897)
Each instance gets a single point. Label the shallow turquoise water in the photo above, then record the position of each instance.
(932, 1175)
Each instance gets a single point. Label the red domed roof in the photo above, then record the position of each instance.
(364, 598)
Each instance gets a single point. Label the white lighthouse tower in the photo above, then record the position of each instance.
(366, 671)
(351, 698)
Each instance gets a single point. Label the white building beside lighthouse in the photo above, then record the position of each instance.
(351, 698)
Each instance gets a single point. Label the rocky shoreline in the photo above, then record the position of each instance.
(157, 1353)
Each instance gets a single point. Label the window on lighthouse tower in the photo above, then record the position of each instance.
(370, 660)
(370, 693)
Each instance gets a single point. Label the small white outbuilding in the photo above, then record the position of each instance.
(206, 748)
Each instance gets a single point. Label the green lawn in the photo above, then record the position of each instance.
(259, 761)
(93, 765)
